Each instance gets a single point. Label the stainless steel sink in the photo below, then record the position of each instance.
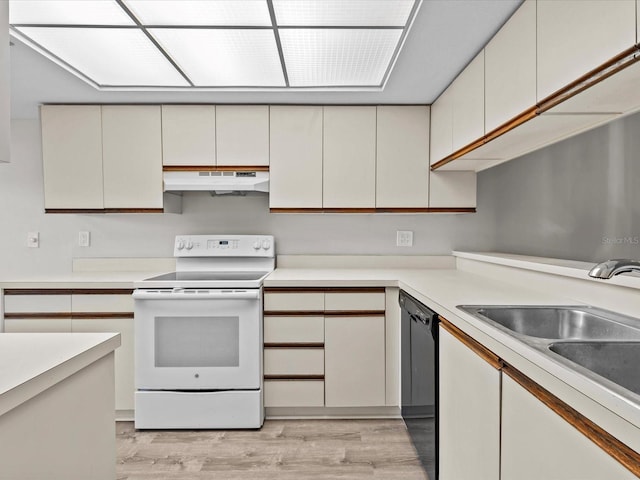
(615, 361)
(580, 323)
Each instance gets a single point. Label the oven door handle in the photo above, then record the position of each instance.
(195, 294)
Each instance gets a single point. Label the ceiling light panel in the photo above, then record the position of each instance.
(108, 56)
(339, 57)
(67, 12)
(336, 13)
(202, 13)
(224, 58)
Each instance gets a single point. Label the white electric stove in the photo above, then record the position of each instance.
(199, 335)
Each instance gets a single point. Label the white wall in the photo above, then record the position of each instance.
(151, 235)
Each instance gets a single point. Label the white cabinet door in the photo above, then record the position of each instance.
(354, 361)
(469, 413)
(72, 156)
(442, 126)
(537, 443)
(468, 104)
(295, 157)
(576, 37)
(452, 189)
(349, 161)
(124, 369)
(189, 135)
(132, 156)
(242, 135)
(402, 167)
(510, 68)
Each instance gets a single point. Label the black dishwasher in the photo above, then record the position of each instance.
(419, 379)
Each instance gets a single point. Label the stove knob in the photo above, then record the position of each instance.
(257, 245)
(180, 244)
(266, 244)
(189, 245)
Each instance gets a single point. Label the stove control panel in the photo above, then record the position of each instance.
(224, 246)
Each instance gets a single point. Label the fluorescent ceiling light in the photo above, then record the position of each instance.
(341, 57)
(68, 12)
(108, 56)
(334, 13)
(198, 12)
(224, 57)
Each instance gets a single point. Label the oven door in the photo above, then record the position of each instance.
(198, 339)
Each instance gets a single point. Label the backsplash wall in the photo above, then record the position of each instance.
(151, 235)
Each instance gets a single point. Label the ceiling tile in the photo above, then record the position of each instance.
(227, 58)
(67, 12)
(342, 12)
(197, 12)
(342, 57)
(108, 56)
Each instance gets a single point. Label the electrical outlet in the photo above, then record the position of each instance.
(84, 239)
(404, 238)
(33, 240)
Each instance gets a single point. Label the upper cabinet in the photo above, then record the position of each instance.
(402, 168)
(349, 157)
(189, 135)
(576, 37)
(468, 104)
(295, 157)
(441, 138)
(510, 68)
(242, 135)
(132, 156)
(72, 156)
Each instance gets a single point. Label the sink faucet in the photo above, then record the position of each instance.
(610, 268)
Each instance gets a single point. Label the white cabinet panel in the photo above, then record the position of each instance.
(102, 303)
(132, 156)
(469, 413)
(573, 38)
(468, 104)
(402, 167)
(37, 303)
(452, 189)
(286, 301)
(537, 443)
(293, 393)
(242, 134)
(72, 156)
(189, 135)
(37, 325)
(510, 68)
(295, 157)
(354, 361)
(349, 160)
(293, 361)
(337, 301)
(293, 329)
(442, 126)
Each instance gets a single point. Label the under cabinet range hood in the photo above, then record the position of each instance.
(218, 182)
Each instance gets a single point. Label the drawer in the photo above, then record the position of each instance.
(293, 393)
(37, 325)
(294, 361)
(102, 303)
(37, 303)
(354, 301)
(293, 329)
(292, 301)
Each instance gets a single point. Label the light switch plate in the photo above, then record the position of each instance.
(33, 239)
(84, 239)
(404, 238)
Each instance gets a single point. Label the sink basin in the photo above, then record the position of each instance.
(558, 323)
(615, 361)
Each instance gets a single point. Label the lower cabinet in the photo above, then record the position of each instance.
(491, 427)
(469, 413)
(537, 443)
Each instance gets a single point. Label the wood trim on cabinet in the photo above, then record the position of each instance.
(68, 291)
(354, 313)
(294, 345)
(625, 455)
(102, 291)
(101, 315)
(72, 315)
(103, 210)
(74, 210)
(294, 313)
(482, 351)
(516, 121)
(375, 210)
(215, 168)
(294, 377)
(324, 289)
(38, 315)
(134, 210)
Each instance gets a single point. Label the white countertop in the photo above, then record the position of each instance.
(79, 280)
(32, 362)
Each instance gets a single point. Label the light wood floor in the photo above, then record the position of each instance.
(282, 449)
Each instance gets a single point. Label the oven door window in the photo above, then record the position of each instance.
(198, 341)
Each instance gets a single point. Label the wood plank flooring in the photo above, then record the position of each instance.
(282, 449)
